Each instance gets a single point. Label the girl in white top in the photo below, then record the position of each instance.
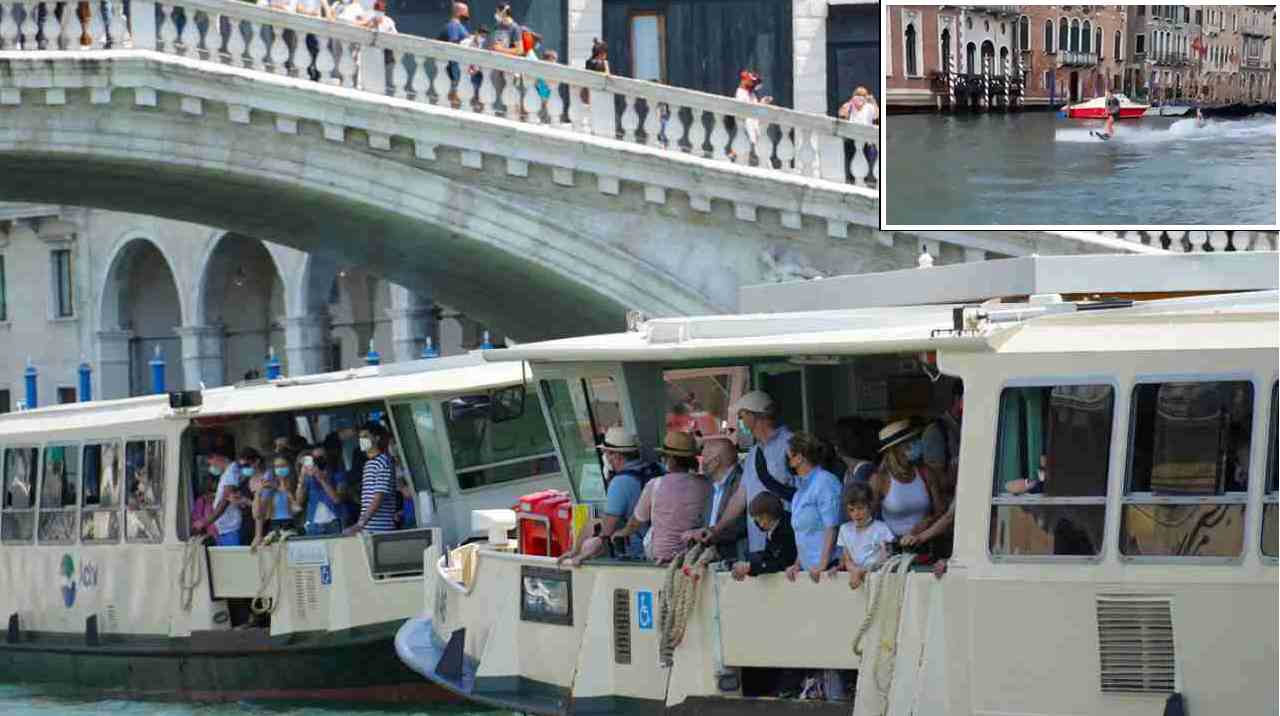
(864, 541)
(906, 496)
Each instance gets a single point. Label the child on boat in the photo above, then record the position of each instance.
(780, 539)
(863, 541)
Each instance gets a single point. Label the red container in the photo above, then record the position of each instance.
(540, 513)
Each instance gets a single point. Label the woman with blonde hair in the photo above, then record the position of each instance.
(908, 499)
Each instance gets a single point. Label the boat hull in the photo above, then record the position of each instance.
(355, 665)
(1101, 113)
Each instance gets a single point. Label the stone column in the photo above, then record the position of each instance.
(202, 359)
(458, 333)
(113, 364)
(412, 320)
(306, 341)
(809, 62)
(586, 23)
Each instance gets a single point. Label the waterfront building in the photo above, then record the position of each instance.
(110, 289)
(953, 56)
(1076, 52)
(1257, 34)
(811, 53)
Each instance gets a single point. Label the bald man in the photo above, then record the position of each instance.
(720, 465)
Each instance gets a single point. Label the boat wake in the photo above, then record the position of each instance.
(1182, 130)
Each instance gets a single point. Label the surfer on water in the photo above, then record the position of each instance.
(1113, 111)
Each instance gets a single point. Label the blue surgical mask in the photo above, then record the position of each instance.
(915, 452)
(282, 472)
(742, 427)
(246, 471)
(215, 470)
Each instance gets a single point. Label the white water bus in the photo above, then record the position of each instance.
(1140, 391)
(103, 591)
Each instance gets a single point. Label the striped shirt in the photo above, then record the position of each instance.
(379, 478)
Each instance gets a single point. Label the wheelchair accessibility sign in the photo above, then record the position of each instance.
(644, 609)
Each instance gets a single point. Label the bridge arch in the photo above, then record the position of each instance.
(141, 309)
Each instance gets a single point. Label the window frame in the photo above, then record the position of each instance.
(4, 303)
(661, 17)
(1233, 498)
(911, 61)
(1270, 492)
(124, 500)
(1050, 36)
(5, 511)
(1112, 382)
(531, 397)
(120, 488)
(41, 509)
(438, 482)
(61, 288)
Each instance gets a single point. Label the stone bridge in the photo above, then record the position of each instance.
(544, 199)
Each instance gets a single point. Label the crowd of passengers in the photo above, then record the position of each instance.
(795, 503)
(348, 483)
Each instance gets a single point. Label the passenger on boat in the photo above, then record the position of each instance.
(720, 465)
(815, 508)
(942, 445)
(351, 459)
(676, 502)
(779, 552)
(318, 492)
(407, 518)
(864, 541)
(273, 504)
(377, 484)
(226, 516)
(621, 452)
(765, 467)
(856, 443)
(903, 490)
(202, 508)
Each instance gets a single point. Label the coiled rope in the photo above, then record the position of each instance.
(191, 575)
(273, 552)
(893, 570)
(680, 596)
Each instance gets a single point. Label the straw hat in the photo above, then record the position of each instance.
(679, 443)
(619, 439)
(896, 432)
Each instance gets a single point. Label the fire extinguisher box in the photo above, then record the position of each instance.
(545, 523)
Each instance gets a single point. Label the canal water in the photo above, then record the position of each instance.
(1038, 168)
(21, 701)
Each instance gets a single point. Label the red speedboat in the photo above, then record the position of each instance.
(1097, 108)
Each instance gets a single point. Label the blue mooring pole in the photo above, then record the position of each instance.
(485, 343)
(86, 381)
(429, 349)
(157, 372)
(372, 357)
(273, 364)
(30, 374)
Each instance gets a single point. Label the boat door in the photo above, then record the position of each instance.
(785, 383)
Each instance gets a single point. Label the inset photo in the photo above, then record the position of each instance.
(1079, 115)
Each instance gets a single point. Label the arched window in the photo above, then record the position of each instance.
(1024, 33)
(1075, 36)
(946, 50)
(1048, 36)
(1084, 41)
(1063, 38)
(1004, 60)
(1097, 44)
(971, 58)
(911, 50)
(1117, 44)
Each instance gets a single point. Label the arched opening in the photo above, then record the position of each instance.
(910, 45)
(971, 58)
(988, 57)
(1004, 61)
(1075, 36)
(946, 49)
(1116, 53)
(1064, 38)
(1097, 44)
(1048, 35)
(1085, 45)
(242, 294)
(358, 313)
(141, 296)
(1024, 33)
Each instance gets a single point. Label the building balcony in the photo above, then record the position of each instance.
(997, 10)
(1253, 62)
(1171, 59)
(1077, 59)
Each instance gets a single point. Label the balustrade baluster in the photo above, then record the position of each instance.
(325, 63)
(117, 28)
(50, 27)
(8, 27)
(97, 25)
(442, 84)
(630, 118)
(399, 75)
(348, 66)
(235, 41)
(858, 165)
(875, 165)
(555, 105)
(579, 112)
(697, 133)
(765, 145)
(489, 92)
(720, 140)
(168, 29)
(468, 98)
(190, 35)
(511, 96)
(652, 121)
(279, 51)
(741, 142)
(421, 82)
(786, 148)
(257, 46)
(28, 28)
(71, 29)
(532, 102)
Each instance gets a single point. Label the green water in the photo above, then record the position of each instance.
(23, 701)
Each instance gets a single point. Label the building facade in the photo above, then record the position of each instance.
(117, 290)
(1073, 52)
(953, 56)
(1215, 54)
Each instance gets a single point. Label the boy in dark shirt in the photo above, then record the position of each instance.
(780, 540)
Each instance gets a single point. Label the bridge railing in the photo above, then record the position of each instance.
(464, 79)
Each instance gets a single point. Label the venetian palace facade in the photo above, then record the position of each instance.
(1010, 56)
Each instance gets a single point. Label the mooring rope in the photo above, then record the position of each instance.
(191, 575)
(680, 596)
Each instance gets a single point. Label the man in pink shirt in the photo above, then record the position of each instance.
(676, 503)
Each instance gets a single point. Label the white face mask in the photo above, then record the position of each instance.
(366, 444)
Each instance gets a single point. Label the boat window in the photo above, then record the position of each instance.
(495, 439)
(144, 496)
(1272, 496)
(1188, 470)
(19, 521)
(698, 400)
(100, 515)
(576, 433)
(418, 437)
(1050, 485)
(58, 498)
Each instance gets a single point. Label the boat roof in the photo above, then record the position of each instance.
(1153, 275)
(428, 378)
(910, 329)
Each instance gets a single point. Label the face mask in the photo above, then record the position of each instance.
(742, 427)
(282, 472)
(215, 470)
(246, 471)
(366, 444)
(915, 452)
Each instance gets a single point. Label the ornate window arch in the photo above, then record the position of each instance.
(1086, 33)
(1048, 36)
(1075, 35)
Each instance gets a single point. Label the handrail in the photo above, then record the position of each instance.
(461, 78)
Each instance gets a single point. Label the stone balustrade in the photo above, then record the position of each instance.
(460, 78)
